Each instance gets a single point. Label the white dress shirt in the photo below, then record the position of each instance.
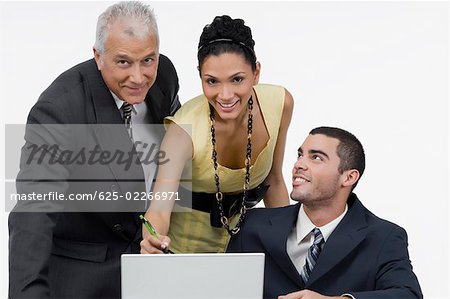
(139, 112)
(144, 136)
(301, 237)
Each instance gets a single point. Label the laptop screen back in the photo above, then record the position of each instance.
(189, 276)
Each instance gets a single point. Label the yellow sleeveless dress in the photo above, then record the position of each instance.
(191, 232)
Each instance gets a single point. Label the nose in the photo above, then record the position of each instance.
(300, 164)
(226, 92)
(137, 75)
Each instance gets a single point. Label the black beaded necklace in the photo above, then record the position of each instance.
(219, 195)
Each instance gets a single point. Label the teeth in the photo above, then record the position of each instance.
(301, 180)
(227, 105)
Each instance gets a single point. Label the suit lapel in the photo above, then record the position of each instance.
(155, 100)
(274, 237)
(111, 138)
(345, 238)
(105, 108)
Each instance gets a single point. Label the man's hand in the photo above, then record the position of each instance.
(306, 294)
(152, 245)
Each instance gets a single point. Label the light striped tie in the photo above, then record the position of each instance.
(126, 108)
(313, 255)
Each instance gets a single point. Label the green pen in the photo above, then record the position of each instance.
(152, 231)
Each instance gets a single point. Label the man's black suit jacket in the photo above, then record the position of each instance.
(364, 256)
(77, 254)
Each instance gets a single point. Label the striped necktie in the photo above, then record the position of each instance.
(126, 108)
(313, 254)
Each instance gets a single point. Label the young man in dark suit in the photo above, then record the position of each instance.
(329, 244)
(54, 254)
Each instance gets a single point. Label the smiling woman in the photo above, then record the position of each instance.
(238, 139)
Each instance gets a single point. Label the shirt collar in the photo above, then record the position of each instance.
(118, 101)
(136, 108)
(305, 226)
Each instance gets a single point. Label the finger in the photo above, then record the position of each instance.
(162, 242)
(165, 242)
(157, 243)
(295, 295)
(149, 248)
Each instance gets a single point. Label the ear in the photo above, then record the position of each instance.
(350, 177)
(257, 73)
(97, 58)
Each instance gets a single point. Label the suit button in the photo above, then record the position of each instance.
(114, 188)
(118, 227)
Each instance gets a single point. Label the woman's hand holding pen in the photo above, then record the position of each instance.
(153, 242)
(152, 245)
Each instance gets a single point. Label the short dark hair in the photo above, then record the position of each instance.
(227, 35)
(349, 150)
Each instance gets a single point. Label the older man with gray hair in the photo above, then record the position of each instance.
(77, 254)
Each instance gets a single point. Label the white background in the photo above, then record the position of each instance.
(378, 69)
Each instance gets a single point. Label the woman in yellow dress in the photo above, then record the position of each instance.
(233, 152)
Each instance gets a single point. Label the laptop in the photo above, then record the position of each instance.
(189, 276)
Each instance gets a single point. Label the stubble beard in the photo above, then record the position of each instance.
(320, 196)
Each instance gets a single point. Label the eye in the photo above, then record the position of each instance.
(122, 62)
(238, 79)
(299, 155)
(211, 81)
(148, 60)
(316, 158)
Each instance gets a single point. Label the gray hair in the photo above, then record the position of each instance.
(142, 17)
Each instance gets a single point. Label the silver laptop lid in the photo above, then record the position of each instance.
(189, 276)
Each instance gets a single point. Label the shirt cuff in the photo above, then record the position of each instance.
(348, 295)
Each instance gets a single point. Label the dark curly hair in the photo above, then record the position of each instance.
(227, 35)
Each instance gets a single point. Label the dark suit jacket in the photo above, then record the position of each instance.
(364, 256)
(77, 254)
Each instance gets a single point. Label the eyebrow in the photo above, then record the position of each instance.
(230, 77)
(125, 56)
(300, 151)
(318, 152)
